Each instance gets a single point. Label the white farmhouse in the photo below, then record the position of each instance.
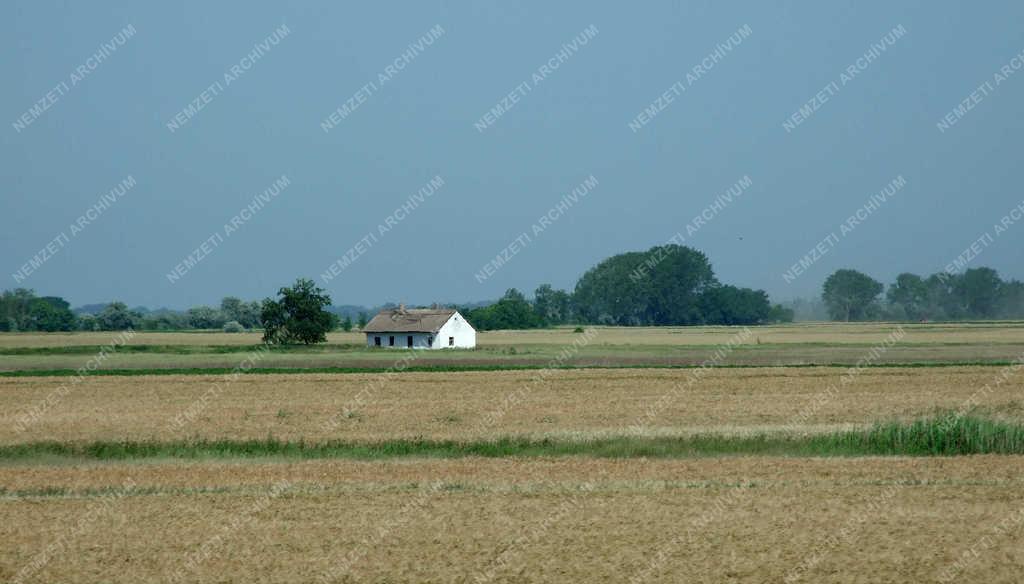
(420, 328)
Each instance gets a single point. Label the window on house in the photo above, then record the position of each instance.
(391, 341)
(451, 341)
(376, 341)
(408, 341)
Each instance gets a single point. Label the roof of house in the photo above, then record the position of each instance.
(409, 320)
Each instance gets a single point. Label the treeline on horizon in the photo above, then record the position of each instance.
(666, 285)
(976, 294)
(22, 311)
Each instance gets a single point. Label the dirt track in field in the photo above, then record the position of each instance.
(472, 405)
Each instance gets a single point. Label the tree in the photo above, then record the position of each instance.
(552, 306)
(231, 306)
(233, 326)
(563, 308)
(978, 290)
(362, 320)
(511, 312)
(805, 309)
(910, 292)
(116, 317)
(22, 310)
(205, 317)
(245, 313)
(346, 325)
(165, 320)
(662, 286)
(731, 305)
(50, 314)
(299, 315)
(1011, 300)
(14, 309)
(942, 301)
(542, 303)
(780, 313)
(88, 322)
(850, 295)
(250, 314)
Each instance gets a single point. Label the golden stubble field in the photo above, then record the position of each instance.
(572, 519)
(471, 405)
(536, 520)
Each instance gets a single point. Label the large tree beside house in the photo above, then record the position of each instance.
(299, 315)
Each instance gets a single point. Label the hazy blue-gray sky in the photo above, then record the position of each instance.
(573, 123)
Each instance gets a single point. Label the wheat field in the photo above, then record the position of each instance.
(738, 520)
(566, 518)
(489, 404)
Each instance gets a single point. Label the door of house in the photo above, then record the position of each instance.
(408, 341)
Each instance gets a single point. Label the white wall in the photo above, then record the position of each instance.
(419, 340)
(463, 334)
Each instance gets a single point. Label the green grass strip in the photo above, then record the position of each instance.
(348, 348)
(455, 368)
(186, 349)
(947, 435)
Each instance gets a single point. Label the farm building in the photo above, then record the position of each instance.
(420, 328)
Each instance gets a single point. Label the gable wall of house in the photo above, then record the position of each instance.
(457, 327)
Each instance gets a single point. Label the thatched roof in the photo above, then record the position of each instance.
(409, 320)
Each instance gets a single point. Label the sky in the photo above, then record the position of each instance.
(663, 109)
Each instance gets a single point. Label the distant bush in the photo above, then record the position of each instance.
(578, 329)
(233, 326)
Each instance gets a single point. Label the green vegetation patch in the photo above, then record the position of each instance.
(533, 348)
(185, 349)
(455, 368)
(947, 435)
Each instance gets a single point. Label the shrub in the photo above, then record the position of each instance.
(233, 326)
(578, 329)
